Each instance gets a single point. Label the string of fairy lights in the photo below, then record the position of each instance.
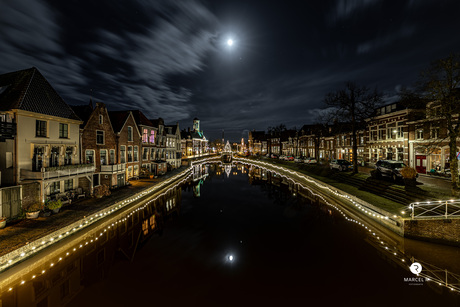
(186, 174)
(28, 250)
(13, 258)
(385, 247)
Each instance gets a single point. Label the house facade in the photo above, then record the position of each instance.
(46, 144)
(128, 142)
(173, 146)
(193, 142)
(99, 145)
(428, 142)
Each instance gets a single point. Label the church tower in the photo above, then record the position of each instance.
(196, 124)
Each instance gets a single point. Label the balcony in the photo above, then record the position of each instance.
(58, 172)
(114, 168)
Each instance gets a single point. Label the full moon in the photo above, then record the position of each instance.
(230, 42)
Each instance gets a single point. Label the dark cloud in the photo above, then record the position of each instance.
(169, 58)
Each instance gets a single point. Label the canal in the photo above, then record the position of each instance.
(246, 236)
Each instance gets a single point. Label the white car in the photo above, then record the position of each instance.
(341, 165)
(310, 161)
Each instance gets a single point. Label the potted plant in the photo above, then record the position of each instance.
(409, 175)
(101, 190)
(2, 222)
(33, 210)
(54, 205)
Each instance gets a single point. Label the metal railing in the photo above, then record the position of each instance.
(431, 209)
(58, 172)
(442, 277)
(113, 168)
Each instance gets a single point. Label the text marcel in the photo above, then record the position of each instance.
(414, 279)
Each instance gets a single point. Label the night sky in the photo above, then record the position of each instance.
(170, 58)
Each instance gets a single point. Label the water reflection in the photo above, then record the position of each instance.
(289, 247)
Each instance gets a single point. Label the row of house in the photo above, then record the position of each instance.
(394, 133)
(63, 148)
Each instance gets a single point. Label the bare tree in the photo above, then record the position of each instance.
(440, 85)
(352, 106)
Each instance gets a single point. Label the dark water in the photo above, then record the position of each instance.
(286, 252)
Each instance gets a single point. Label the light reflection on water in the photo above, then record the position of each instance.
(286, 251)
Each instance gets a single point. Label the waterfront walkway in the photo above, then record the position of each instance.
(21, 232)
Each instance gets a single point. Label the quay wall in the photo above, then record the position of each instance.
(438, 230)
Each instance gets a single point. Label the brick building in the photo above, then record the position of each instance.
(99, 145)
(128, 141)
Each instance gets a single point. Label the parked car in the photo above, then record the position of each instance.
(341, 165)
(389, 168)
(282, 157)
(289, 158)
(310, 160)
(298, 159)
(274, 156)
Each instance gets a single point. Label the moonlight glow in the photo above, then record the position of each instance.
(230, 42)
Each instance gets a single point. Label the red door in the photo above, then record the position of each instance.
(420, 164)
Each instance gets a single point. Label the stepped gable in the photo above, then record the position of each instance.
(118, 119)
(28, 90)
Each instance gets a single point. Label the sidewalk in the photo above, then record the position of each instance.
(442, 184)
(20, 233)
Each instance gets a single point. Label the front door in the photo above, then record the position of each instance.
(420, 164)
(120, 180)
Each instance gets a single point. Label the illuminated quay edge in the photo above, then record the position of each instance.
(88, 240)
(431, 275)
(30, 249)
(34, 247)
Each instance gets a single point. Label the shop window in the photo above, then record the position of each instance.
(55, 187)
(68, 185)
